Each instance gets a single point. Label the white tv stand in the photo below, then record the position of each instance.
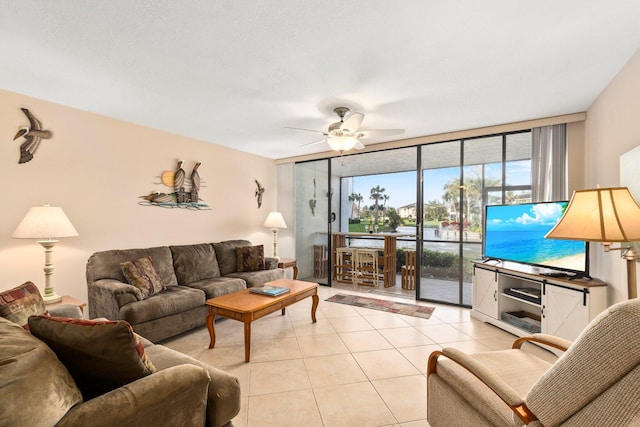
(504, 295)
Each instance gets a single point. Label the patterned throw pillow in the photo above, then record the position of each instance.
(100, 355)
(141, 274)
(19, 303)
(249, 258)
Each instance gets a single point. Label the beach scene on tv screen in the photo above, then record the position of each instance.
(516, 233)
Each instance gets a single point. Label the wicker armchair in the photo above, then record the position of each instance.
(595, 382)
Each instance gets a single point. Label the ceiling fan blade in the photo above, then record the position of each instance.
(314, 142)
(359, 145)
(308, 130)
(376, 133)
(352, 123)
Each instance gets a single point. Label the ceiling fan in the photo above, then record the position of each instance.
(346, 134)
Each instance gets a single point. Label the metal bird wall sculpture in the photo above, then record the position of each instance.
(259, 193)
(178, 177)
(195, 183)
(32, 134)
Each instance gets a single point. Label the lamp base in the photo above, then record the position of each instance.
(51, 298)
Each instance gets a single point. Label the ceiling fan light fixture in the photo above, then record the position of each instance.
(342, 143)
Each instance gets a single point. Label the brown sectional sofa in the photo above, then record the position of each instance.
(38, 389)
(191, 273)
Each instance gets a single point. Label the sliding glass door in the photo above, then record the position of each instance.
(312, 210)
(459, 178)
(427, 200)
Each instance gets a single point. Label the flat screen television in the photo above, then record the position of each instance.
(516, 233)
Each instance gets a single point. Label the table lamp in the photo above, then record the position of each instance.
(603, 215)
(46, 223)
(274, 221)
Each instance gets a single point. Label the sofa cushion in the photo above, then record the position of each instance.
(226, 254)
(249, 258)
(100, 355)
(142, 274)
(219, 286)
(36, 388)
(254, 278)
(173, 300)
(194, 262)
(19, 303)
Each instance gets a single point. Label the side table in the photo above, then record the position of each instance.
(289, 262)
(70, 300)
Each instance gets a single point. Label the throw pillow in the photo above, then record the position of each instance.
(19, 303)
(100, 355)
(226, 254)
(141, 274)
(249, 258)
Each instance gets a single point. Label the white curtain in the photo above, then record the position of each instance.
(549, 163)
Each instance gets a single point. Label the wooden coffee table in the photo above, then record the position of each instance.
(246, 307)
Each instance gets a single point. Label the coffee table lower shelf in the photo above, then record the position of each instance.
(246, 307)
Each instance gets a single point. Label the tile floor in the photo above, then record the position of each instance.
(354, 367)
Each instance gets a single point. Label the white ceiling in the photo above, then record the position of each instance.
(235, 73)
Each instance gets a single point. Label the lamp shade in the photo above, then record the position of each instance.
(275, 220)
(599, 215)
(342, 143)
(44, 222)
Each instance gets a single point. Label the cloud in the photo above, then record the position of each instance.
(545, 213)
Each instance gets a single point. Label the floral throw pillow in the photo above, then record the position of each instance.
(19, 303)
(141, 274)
(249, 258)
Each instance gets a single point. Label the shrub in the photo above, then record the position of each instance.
(438, 259)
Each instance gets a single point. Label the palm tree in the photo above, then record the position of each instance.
(385, 197)
(376, 195)
(451, 197)
(355, 199)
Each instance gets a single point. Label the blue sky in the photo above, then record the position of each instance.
(401, 186)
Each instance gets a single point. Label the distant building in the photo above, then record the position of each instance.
(408, 211)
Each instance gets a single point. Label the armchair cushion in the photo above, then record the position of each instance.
(249, 258)
(19, 303)
(100, 355)
(455, 389)
(142, 274)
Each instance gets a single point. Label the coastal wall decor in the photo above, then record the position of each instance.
(33, 135)
(259, 192)
(180, 197)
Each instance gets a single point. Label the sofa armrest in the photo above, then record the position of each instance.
(65, 310)
(174, 396)
(224, 389)
(270, 263)
(106, 296)
(496, 384)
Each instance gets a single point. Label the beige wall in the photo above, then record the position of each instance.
(612, 128)
(96, 168)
